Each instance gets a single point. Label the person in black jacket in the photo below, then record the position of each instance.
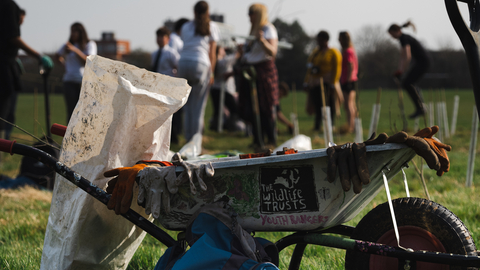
(10, 42)
(412, 52)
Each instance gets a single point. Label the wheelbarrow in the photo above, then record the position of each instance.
(290, 192)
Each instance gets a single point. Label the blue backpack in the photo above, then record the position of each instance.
(217, 241)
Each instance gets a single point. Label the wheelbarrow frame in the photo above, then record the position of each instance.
(300, 239)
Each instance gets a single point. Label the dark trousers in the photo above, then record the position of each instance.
(177, 123)
(11, 115)
(71, 92)
(316, 95)
(408, 83)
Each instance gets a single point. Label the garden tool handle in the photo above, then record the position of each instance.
(58, 129)
(13, 148)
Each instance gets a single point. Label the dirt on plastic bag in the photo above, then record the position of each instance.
(123, 115)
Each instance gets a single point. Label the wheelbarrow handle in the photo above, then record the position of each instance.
(470, 38)
(13, 148)
(58, 129)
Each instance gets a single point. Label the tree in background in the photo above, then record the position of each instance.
(292, 63)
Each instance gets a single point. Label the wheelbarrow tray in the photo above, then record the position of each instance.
(286, 192)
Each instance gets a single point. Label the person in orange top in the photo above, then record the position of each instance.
(324, 62)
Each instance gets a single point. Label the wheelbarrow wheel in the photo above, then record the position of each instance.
(422, 224)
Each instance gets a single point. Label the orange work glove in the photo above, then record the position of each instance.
(431, 149)
(121, 187)
(438, 147)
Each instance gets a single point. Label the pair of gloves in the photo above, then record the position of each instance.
(351, 161)
(156, 183)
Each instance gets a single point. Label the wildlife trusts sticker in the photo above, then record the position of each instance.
(287, 190)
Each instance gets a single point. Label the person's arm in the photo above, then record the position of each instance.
(270, 46)
(18, 41)
(213, 58)
(405, 58)
(77, 51)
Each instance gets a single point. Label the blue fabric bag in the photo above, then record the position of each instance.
(217, 241)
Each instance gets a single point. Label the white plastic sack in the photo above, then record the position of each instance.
(300, 142)
(123, 116)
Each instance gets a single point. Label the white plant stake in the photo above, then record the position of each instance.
(375, 113)
(456, 101)
(374, 119)
(439, 120)
(473, 147)
(431, 116)
(445, 120)
(327, 126)
(358, 130)
(294, 120)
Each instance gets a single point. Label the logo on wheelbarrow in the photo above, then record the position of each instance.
(287, 190)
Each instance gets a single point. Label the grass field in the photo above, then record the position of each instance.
(24, 213)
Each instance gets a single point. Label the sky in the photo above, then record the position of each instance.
(47, 23)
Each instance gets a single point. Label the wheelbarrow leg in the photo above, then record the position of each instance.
(470, 38)
(297, 256)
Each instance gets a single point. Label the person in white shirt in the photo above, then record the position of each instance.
(176, 41)
(165, 59)
(73, 56)
(197, 62)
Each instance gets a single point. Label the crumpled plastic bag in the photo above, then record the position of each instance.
(300, 142)
(123, 115)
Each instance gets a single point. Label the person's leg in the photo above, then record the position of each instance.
(176, 126)
(352, 109)
(71, 91)
(7, 89)
(215, 94)
(11, 115)
(330, 100)
(197, 75)
(270, 128)
(408, 83)
(317, 103)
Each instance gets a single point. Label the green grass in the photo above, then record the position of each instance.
(24, 213)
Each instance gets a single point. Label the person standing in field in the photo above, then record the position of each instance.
(165, 59)
(224, 75)
(348, 80)
(197, 64)
(414, 63)
(73, 56)
(176, 44)
(13, 107)
(324, 62)
(10, 43)
(260, 53)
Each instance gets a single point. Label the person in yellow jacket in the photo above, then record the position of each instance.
(324, 62)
